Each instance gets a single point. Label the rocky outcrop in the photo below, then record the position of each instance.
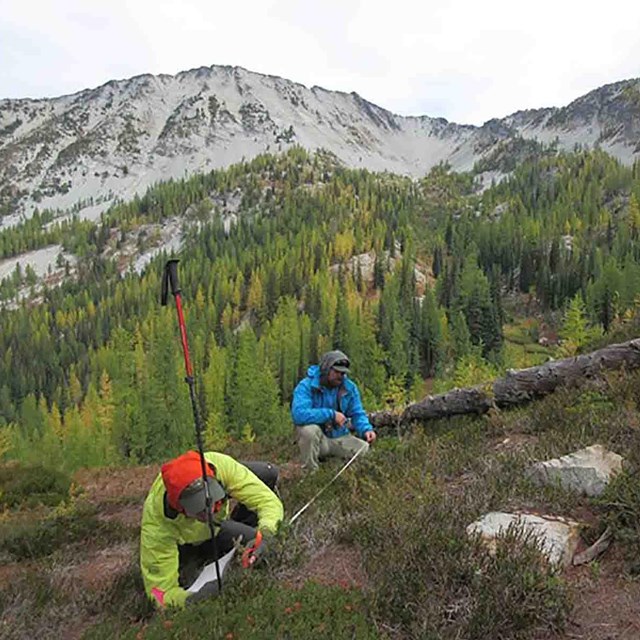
(587, 472)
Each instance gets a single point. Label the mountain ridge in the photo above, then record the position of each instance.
(88, 149)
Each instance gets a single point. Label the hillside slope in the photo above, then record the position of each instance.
(383, 553)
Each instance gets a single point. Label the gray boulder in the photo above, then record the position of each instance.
(587, 471)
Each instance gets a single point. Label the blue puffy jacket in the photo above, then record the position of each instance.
(314, 403)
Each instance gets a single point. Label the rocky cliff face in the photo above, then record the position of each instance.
(608, 117)
(87, 149)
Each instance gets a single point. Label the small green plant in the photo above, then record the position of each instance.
(248, 434)
(32, 485)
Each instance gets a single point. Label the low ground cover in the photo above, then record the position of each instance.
(382, 553)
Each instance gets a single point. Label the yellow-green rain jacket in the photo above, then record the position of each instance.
(162, 531)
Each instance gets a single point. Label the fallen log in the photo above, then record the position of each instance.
(517, 387)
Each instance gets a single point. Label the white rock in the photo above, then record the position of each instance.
(587, 471)
(558, 536)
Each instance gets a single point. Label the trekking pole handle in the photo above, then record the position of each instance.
(170, 280)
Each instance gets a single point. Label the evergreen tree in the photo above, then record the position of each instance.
(576, 331)
(214, 384)
(252, 392)
(480, 312)
(460, 336)
(432, 347)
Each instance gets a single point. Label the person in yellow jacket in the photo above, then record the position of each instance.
(174, 520)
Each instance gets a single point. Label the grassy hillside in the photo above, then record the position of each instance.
(382, 554)
(427, 285)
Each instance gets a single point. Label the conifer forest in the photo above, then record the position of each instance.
(284, 257)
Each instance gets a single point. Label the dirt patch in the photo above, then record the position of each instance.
(110, 485)
(291, 471)
(128, 515)
(606, 603)
(98, 571)
(339, 565)
(12, 571)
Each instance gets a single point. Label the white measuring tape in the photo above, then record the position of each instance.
(326, 486)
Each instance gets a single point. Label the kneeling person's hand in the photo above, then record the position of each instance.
(255, 550)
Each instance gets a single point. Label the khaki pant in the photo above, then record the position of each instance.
(314, 446)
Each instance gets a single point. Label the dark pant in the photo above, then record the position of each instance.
(241, 527)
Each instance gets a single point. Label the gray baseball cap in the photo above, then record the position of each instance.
(193, 499)
(334, 360)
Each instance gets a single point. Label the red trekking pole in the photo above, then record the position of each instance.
(170, 280)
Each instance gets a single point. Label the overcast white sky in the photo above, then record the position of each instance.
(465, 60)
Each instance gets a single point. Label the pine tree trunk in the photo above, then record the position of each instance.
(518, 387)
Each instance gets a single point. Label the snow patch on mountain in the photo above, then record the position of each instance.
(39, 260)
(170, 242)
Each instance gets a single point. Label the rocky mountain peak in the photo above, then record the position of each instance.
(87, 149)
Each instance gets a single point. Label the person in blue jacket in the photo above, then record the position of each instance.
(326, 409)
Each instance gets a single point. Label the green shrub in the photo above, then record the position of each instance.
(32, 485)
(428, 578)
(30, 603)
(257, 607)
(37, 603)
(620, 503)
(515, 592)
(41, 537)
(125, 599)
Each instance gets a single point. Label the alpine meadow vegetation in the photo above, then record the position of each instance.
(427, 284)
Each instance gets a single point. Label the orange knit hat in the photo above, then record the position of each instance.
(179, 473)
